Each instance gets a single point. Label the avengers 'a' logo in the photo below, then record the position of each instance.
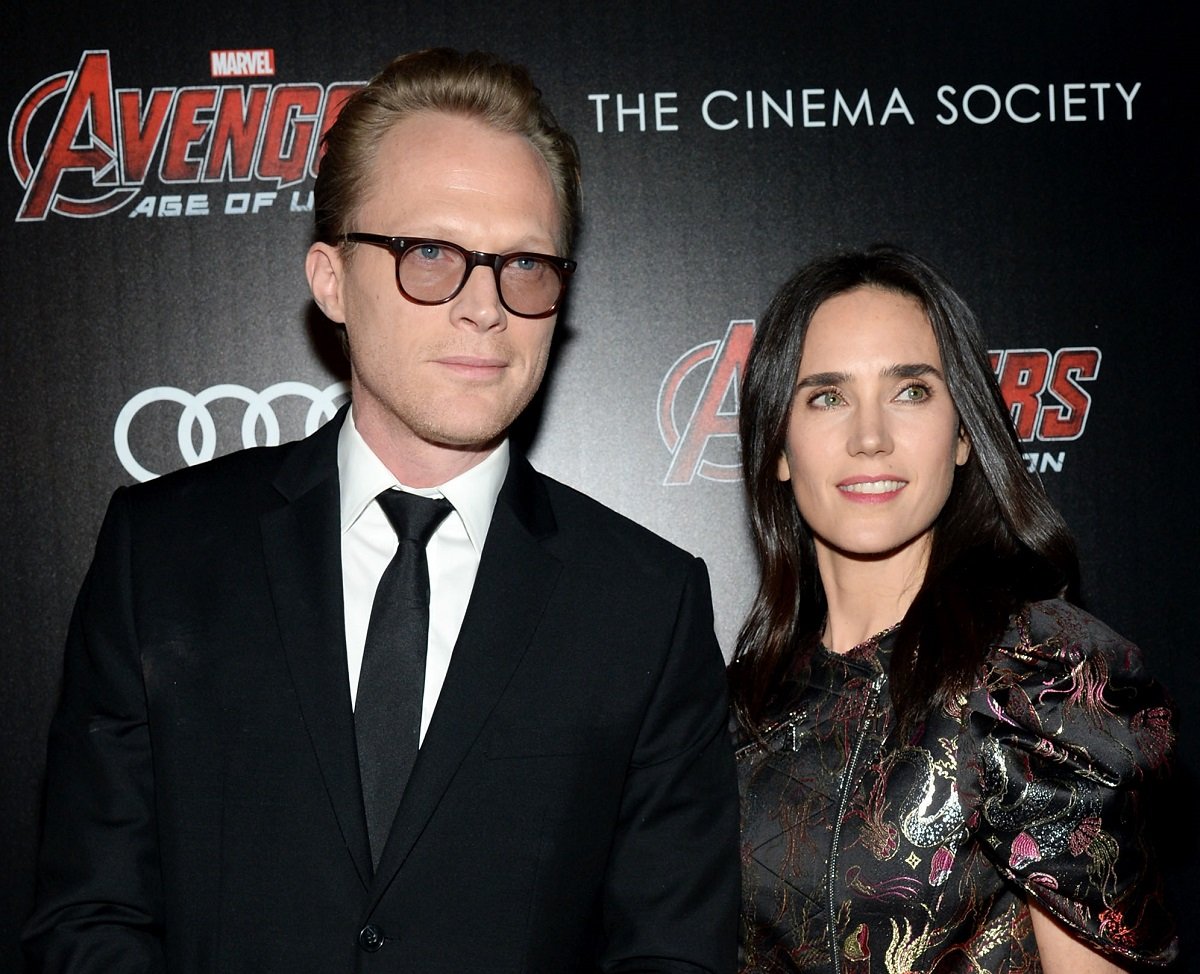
(708, 376)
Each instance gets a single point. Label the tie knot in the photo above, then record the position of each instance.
(413, 517)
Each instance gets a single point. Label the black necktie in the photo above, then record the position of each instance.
(387, 711)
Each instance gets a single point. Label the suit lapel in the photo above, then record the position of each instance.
(515, 579)
(302, 543)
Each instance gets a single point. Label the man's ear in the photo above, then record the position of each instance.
(324, 268)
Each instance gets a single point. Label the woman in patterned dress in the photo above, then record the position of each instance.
(944, 765)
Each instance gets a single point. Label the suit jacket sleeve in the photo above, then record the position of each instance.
(99, 890)
(671, 896)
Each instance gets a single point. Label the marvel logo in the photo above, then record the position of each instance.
(243, 64)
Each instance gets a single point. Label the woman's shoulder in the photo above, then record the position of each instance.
(1063, 737)
(1054, 635)
(1057, 627)
(1059, 671)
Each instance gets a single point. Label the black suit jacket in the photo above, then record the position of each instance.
(572, 808)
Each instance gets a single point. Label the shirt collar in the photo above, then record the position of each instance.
(363, 476)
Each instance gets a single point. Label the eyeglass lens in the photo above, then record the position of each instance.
(430, 272)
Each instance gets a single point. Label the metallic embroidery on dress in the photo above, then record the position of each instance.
(928, 849)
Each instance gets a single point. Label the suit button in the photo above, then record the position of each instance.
(370, 938)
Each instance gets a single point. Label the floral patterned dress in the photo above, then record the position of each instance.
(864, 854)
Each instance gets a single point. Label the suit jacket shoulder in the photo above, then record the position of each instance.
(585, 521)
(256, 476)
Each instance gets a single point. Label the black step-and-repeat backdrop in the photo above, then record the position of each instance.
(155, 207)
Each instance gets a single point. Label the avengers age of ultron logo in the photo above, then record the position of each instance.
(82, 148)
(698, 403)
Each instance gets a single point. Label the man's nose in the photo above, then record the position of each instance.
(478, 304)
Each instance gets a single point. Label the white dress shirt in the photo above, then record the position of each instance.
(369, 542)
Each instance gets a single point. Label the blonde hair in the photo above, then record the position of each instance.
(474, 84)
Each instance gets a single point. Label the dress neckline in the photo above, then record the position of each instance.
(864, 651)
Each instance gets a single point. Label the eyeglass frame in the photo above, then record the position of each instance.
(399, 246)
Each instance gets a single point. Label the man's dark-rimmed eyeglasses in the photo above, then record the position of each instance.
(433, 271)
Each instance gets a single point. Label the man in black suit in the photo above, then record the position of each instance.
(229, 787)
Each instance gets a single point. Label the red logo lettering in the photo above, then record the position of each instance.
(141, 129)
(288, 138)
(236, 126)
(1043, 391)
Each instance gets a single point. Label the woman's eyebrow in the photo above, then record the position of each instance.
(823, 379)
(914, 370)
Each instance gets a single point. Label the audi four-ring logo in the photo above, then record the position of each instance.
(260, 412)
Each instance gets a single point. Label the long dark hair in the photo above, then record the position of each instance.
(997, 543)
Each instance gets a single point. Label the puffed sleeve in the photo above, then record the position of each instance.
(1066, 738)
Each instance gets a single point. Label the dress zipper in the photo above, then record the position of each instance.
(843, 801)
